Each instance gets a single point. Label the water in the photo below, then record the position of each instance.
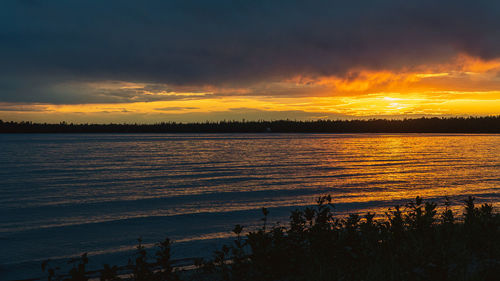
(62, 195)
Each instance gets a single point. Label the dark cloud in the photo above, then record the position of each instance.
(21, 108)
(57, 90)
(226, 43)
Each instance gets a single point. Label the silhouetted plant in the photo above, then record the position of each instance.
(51, 271)
(141, 269)
(163, 261)
(412, 243)
(447, 216)
(77, 273)
(109, 273)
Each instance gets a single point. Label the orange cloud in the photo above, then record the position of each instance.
(464, 86)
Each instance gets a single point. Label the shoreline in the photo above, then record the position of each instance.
(243, 256)
(489, 124)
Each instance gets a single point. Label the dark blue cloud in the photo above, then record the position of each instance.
(228, 42)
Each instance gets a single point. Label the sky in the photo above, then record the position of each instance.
(184, 61)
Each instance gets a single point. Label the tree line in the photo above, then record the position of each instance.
(488, 124)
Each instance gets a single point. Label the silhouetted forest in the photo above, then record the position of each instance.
(490, 124)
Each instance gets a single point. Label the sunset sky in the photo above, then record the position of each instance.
(132, 61)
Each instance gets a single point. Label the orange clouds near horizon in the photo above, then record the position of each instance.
(464, 86)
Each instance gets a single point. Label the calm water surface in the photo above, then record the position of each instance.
(62, 195)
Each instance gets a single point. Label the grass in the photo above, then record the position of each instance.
(412, 242)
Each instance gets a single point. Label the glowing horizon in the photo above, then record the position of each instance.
(166, 61)
(467, 86)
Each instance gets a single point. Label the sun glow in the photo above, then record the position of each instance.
(463, 86)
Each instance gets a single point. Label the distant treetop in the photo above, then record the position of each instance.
(489, 124)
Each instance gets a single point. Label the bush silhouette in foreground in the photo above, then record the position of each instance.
(413, 242)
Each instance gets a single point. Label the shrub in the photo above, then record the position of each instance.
(413, 242)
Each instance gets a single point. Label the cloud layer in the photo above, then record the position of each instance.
(84, 52)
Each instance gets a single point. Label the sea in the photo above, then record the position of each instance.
(62, 195)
